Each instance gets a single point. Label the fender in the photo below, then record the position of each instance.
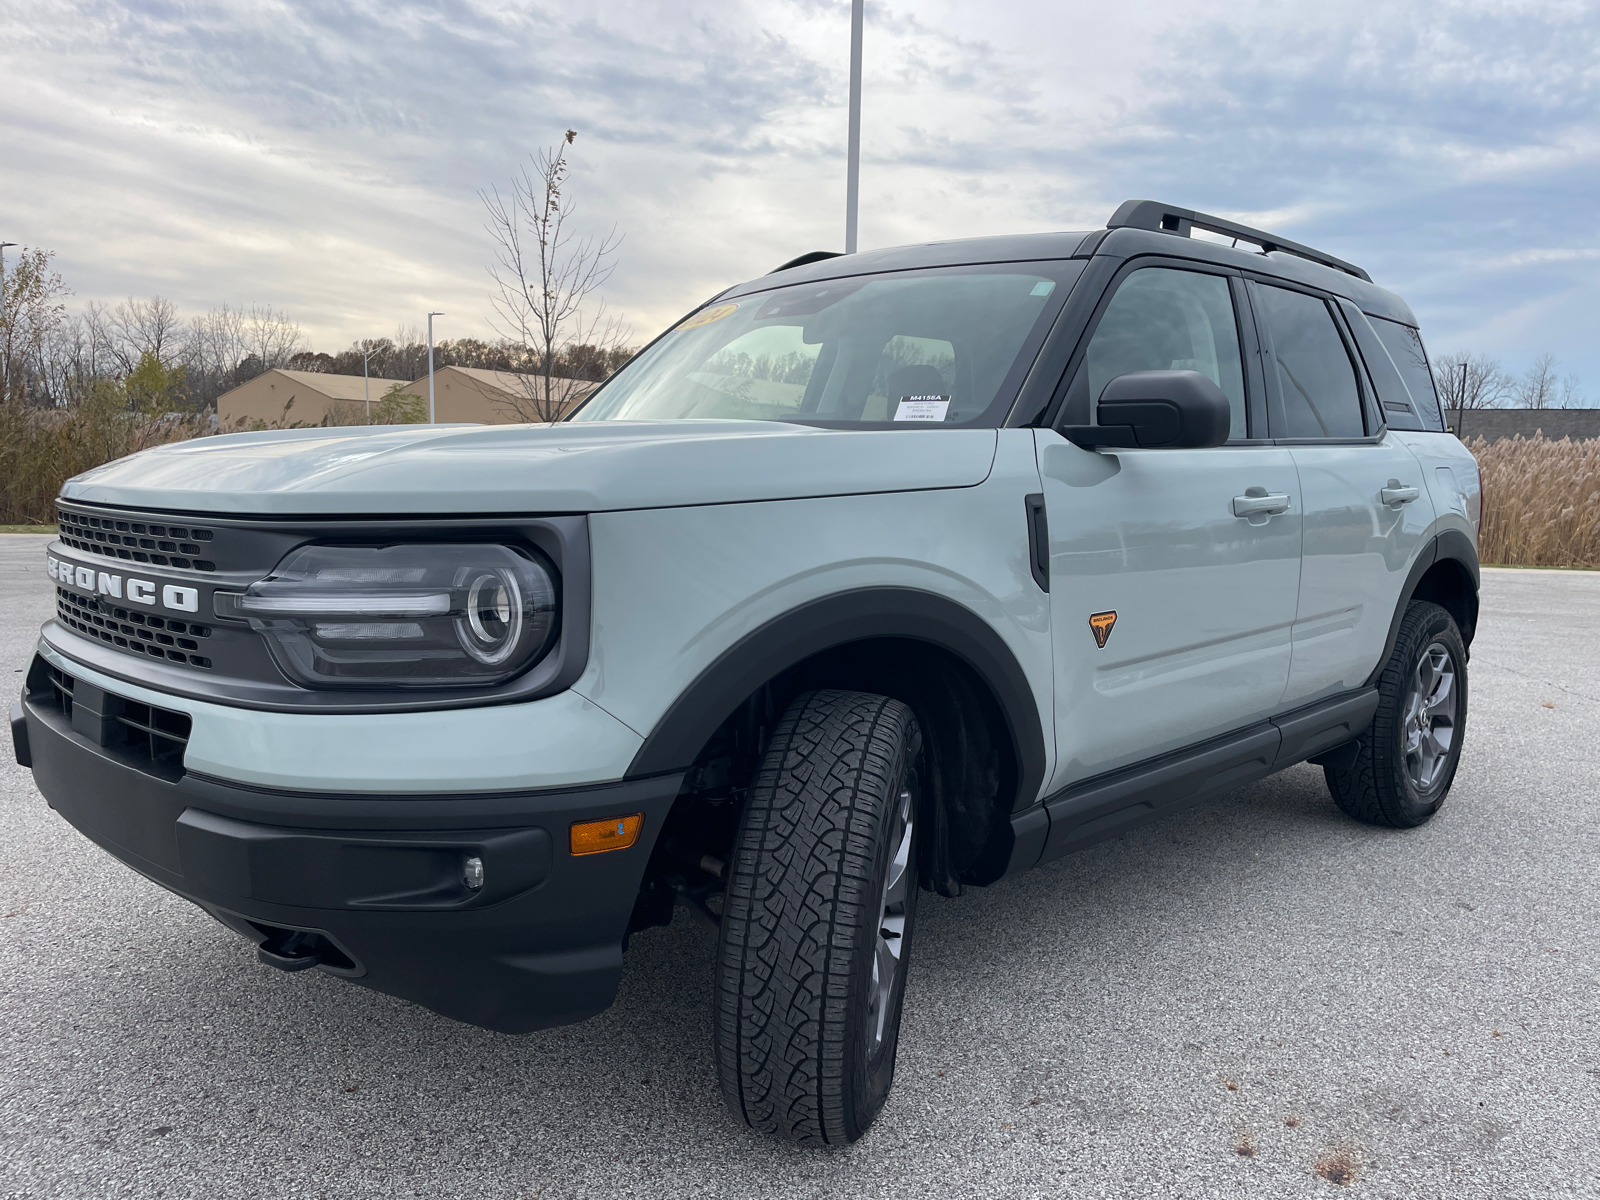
(1451, 544)
(837, 620)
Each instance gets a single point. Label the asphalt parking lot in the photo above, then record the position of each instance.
(1258, 998)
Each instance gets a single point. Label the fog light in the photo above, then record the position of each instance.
(472, 873)
(613, 833)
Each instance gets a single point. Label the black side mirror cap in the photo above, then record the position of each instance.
(1151, 410)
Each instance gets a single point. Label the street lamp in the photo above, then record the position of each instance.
(431, 316)
(366, 381)
(5, 352)
(852, 185)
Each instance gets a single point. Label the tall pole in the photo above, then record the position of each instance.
(5, 351)
(366, 382)
(852, 186)
(431, 316)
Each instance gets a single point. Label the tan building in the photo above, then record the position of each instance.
(495, 397)
(285, 399)
(288, 399)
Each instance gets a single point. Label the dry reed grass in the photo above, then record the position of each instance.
(1542, 497)
(1541, 502)
(41, 449)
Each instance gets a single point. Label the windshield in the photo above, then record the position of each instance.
(948, 346)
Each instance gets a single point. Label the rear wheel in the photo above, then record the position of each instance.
(818, 918)
(1407, 758)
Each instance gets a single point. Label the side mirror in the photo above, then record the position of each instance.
(1168, 410)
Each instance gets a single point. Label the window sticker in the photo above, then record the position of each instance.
(922, 408)
(1042, 289)
(707, 315)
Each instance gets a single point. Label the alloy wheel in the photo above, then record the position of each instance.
(1430, 716)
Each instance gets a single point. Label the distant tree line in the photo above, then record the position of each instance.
(146, 356)
(1473, 381)
(145, 349)
(407, 358)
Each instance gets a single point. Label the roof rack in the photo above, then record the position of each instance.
(1165, 218)
(814, 256)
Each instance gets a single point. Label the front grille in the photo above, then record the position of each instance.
(159, 544)
(141, 633)
(150, 738)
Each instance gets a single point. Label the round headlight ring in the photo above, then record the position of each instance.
(493, 624)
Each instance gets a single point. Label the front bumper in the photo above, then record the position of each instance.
(378, 876)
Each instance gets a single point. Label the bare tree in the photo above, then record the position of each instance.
(1470, 381)
(547, 279)
(141, 327)
(270, 336)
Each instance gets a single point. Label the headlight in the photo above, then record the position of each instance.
(408, 615)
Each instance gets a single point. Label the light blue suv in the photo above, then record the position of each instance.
(892, 571)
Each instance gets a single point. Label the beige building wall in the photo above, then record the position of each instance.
(284, 399)
(470, 394)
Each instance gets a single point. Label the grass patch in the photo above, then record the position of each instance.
(50, 529)
(1542, 502)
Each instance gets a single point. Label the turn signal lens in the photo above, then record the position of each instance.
(614, 833)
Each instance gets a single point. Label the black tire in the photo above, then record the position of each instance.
(801, 1052)
(1390, 782)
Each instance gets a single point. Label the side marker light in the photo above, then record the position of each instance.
(613, 833)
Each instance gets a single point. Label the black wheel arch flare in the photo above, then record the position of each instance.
(833, 621)
(1453, 547)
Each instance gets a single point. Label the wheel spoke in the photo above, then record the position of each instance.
(890, 942)
(1443, 699)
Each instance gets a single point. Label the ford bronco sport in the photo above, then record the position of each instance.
(903, 570)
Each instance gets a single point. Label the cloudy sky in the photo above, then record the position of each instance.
(325, 158)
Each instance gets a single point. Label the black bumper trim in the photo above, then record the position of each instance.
(539, 944)
(19, 736)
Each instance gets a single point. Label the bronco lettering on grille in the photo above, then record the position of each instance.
(137, 591)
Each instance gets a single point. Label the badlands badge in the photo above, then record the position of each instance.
(1101, 623)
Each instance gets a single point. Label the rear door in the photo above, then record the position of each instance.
(1173, 573)
(1367, 511)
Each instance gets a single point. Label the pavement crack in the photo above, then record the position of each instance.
(1540, 679)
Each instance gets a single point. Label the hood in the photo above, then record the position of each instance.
(576, 467)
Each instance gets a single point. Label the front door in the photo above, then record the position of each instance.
(1367, 507)
(1174, 574)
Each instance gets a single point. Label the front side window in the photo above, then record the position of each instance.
(1166, 320)
(1404, 345)
(1317, 388)
(946, 346)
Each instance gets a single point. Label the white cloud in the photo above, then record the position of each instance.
(325, 158)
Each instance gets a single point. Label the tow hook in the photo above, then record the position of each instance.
(293, 950)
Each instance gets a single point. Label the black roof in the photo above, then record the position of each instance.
(1137, 227)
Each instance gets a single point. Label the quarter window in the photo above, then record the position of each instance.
(1316, 381)
(1167, 320)
(1405, 348)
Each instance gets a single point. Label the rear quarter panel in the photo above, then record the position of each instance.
(1454, 483)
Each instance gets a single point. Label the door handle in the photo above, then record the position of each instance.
(1398, 493)
(1258, 502)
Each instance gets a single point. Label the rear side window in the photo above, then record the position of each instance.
(1399, 411)
(1404, 345)
(1166, 320)
(1318, 394)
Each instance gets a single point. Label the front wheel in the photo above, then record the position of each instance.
(818, 918)
(1407, 759)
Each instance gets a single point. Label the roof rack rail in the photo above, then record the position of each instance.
(1167, 218)
(814, 256)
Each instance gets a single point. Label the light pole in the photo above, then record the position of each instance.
(5, 351)
(366, 382)
(852, 184)
(431, 316)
